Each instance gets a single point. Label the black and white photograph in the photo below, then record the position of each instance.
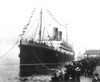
(49, 40)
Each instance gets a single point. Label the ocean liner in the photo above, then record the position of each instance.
(42, 55)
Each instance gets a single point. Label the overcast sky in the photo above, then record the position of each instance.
(81, 16)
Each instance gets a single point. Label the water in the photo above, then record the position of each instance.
(9, 72)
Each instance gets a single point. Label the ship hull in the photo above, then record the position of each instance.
(40, 60)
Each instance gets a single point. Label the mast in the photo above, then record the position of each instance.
(40, 26)
(66, 34)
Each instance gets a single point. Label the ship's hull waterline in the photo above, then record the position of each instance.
(40, 60)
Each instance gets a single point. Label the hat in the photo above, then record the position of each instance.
(96, 74)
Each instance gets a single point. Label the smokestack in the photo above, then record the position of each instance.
(59, 35)
(55, 33)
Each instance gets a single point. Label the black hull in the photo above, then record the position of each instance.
(39, 60)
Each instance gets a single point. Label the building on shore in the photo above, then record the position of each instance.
(92, 53)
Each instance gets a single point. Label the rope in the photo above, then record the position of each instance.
(40, 61)
(55, 18)
(47, 32)
(25, 27)
(40, 64)
(43, 33)
(8, 50)
(30, 27)
(34, 34)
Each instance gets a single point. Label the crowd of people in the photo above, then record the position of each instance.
(72, 71)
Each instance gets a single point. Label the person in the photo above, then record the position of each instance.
(66, 76)
(55, 77)
(96, 78)
(77, 70)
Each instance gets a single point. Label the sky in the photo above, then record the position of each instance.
(81, 16)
